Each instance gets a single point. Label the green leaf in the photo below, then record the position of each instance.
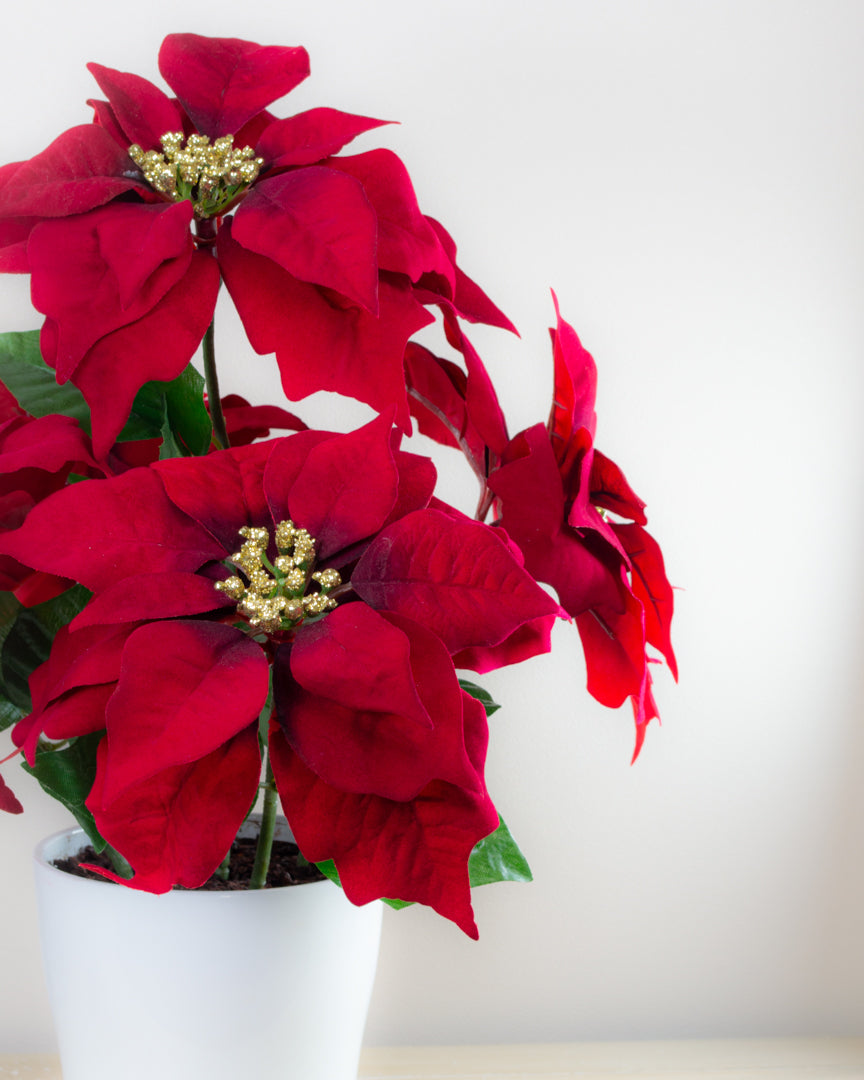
(498, 858)
(9, 712)
(170, 446)
(187, 412)
(483, 696)
(328, 869)
(33, 383)
(174, 411)
(27, 644)
(67, 774)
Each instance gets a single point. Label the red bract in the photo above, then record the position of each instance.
(608, 575)
(377, 751)
(551, 490)
(36, 458)
(328, 259)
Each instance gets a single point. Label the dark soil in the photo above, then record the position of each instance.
(285, 867)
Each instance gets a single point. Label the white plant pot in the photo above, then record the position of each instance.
(272, 984)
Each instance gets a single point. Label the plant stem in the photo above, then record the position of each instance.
(265, 835)
(220, 433)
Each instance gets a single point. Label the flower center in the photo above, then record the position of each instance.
(273, 597)
(210, 177)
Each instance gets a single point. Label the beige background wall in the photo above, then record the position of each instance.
(688, 177)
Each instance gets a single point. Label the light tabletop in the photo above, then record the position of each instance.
(727, 1059)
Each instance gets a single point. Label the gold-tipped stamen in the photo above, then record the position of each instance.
(209, 176)
(274, 598)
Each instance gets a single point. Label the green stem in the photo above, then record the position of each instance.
(265, 835)
(220, 433)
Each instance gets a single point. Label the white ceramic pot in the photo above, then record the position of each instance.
(272, 984)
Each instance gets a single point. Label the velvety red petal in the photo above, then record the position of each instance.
(320, 344)
(532, 513)
(103, 115)
(245, 423)
(165, 595)
(223, 491)
(614, 645)
(318, 225)
(9, 407)
(436, 396)
(484, 409)
(575, 387)
(79, 712)
(651, 587)
(346, 488)
(407, 243)
(158, 345)
(175, 827)
(311, 136)
(416, 850)
(99, 532)
(82, 169)
(532, 639)
(223, 82)
(610, 490)
(468, 298)
(8, 802)
(89, 657)
(417, 479)
(14, 233)
(356, 657)
(49, 444)
(142, 110)
(82, 282)
(185, 689)
(454, 577)
(35, 588)
(357, 740)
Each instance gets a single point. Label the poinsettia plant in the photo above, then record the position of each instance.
(196, 610)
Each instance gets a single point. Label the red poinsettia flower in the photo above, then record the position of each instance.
(552, 491)
(328, 259)
(352, 588)
(553, 487)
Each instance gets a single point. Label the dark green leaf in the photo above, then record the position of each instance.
(498, 858)
(29, 641)
(9, 608)
(173, 411)
(33, 383)
(328, 869)
(187, 413)
(67, 774)
(483, 696)
(170, 447)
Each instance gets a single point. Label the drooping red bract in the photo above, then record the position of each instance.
(552, 486)
(551, 491)
(377, 751)
(324, 256)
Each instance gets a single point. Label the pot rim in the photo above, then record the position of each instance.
(76, 833)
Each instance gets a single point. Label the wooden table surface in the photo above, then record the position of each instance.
(728, 1059)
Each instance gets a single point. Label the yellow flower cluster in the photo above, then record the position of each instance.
(210, 176)
(273, 597)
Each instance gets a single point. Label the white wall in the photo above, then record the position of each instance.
(688, 177)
